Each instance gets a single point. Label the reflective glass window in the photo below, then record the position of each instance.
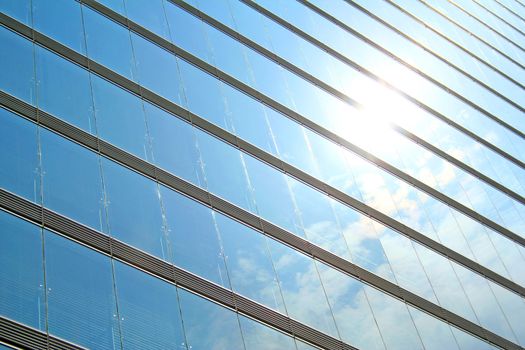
(71, 179)
(19, 10)
(174, 145)
(248, 119)
(109, 43)
(249, 264)
(134, 211)
(259, 337)
(318, 219)
(149, 14)
(187, 31)
(272, 195)
(80, 296)
(60, 20)
(115, 5)
(352, 313)
(157, 69)
(203, 94)
(302, 290)
(224, 170)
(228, 55)
(434, 333)
(208, 325)
(394, 321)
(120, 118)
(20, 170)
(193, 237)
(64, 90)
(21, 272)
(148, 309)
(17, 66)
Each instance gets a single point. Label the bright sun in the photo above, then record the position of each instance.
(380, 107)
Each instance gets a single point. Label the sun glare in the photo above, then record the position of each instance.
(380, 107)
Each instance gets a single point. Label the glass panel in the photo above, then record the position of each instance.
(174, 145)
(134, 212)
(60, 20)
(394, 321)
(80, 295)
(19, 10)
(351, 310)
(193, 238)
(115, 5)
(157, 69)
(109, 43)
(248, 119)
(21, 273)
(302, 290)
(63, 90)
(120, 118)
(17, 66)
(259, 337)
(149, 14)
(148, 309)
(203, 94)
(71, 181)
(208, 325)
(187, 31)
(228, 55)
(272, 195)
(249, 264)
(435, 334)
(224, 170)
(318, 219)
(20, 170)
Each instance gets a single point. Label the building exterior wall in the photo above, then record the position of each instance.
(227, 174)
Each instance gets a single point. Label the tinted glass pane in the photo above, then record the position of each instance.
(272, 195)
(352, 313)
(203, 94)
(208, 325)
(157, 69)
(20, 171)
(109, 43)
(120, 118)
(249, 264)
(115, 5)
(63, 90)
(21, 272)
(19, 10)
(80, 296)
(259, 337)
(17, 66)
(148, 309)
(71, 180)
(60, 20)
(187, 31)
(394, 321)
(174, 145)
(193, 238)
(248, 119)
(149, 14)
(302, 290)
(224, 170)
(134, 213)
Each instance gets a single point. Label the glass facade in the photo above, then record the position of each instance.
(325, 174)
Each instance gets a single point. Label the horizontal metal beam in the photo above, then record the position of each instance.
(24, 337)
